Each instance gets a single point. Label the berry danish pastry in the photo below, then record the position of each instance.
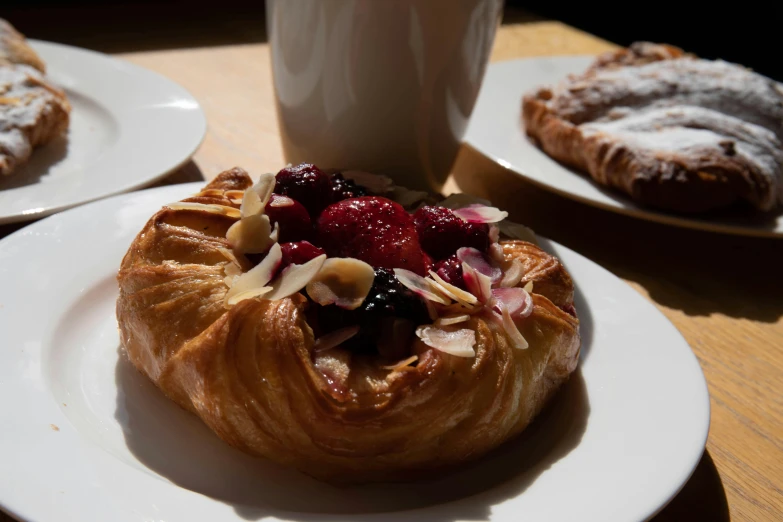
(317, 320)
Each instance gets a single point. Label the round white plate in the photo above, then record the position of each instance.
(496, 131)
(86, 437)
(129, 127)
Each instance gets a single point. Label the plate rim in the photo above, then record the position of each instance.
(121, 187)
(627, 208)
(180, 190)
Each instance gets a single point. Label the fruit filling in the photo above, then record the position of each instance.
(377, 275)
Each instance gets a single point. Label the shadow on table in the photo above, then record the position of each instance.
(116, 27)
(176, 445)
(702, 497)
(697, 272)
(189, 172)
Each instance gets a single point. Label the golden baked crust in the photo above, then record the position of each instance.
(32, 110)
(251, 374)
(672, 131)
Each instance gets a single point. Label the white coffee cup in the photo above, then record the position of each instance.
(385, 86)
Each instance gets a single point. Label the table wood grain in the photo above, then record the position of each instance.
(723, 293)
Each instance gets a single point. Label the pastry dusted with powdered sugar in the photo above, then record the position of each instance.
(673, 131)
(32, 110)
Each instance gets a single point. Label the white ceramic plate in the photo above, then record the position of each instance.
(496, 131)
(86, 437)
(129, 127)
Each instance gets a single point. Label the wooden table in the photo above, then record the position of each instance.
(724, 293)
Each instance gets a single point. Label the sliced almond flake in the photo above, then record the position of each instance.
(496, 253)
(419, 285)
(513, 274)
(517, 340)
(476, 260)
(438, 290)
(282, 201)
(258, 276)
(377, 183)
(231, 270)
(228, 254)
(229, 280)
(251, 235)
(494, 234)
(458, 309)
(334, 339)
(256, 197)
(344, 282)
(454, 292)
(220, 210)
(477, 213)
(256, 292)
(517, 231)
(516, 300)
(294, 278)
(447, 339)
(405, 363)
(211, 192)
(275, 234)
(264, 187)
(478, 284)
(251, 204)
(528, 287)
(453, 319)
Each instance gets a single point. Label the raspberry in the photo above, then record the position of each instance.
(442, 233)
(450, 270)
(299, 253)
(294, 221)
(345, 188)
(307, 184)
(374, 229)
(429, 263)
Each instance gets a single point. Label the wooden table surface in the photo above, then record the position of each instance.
(724, 293)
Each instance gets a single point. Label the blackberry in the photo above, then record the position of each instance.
(345, 188)
(387, 301)
(389, 297)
